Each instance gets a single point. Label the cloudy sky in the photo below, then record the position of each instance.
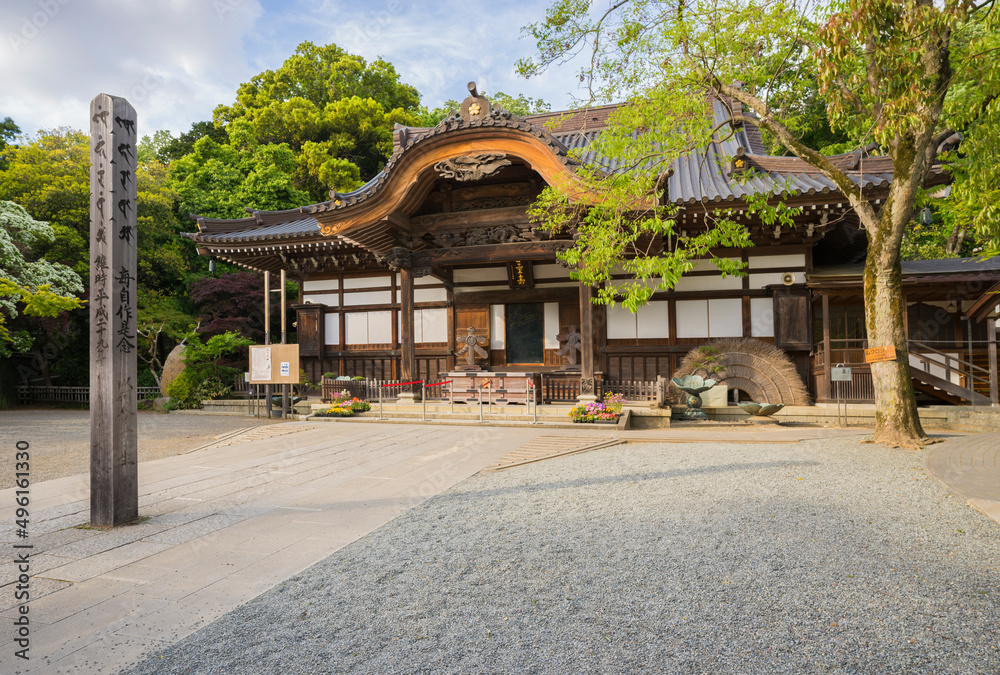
(175, 60)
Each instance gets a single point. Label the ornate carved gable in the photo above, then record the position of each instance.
(472, 167)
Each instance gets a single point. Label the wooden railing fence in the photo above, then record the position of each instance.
(30, 394)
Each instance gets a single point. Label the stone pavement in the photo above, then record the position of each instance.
(970, 465)
(224, 524)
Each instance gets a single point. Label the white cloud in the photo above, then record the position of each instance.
(175, 60)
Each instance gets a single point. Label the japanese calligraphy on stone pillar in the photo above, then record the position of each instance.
(113, 479)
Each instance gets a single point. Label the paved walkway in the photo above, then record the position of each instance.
(970, 465)
(228, 522)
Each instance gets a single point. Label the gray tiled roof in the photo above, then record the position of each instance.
(298, 228)
(916, 267)
(704, 177)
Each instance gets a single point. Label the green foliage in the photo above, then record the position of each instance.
(8, 132)
(36, 286)
(882, 70)
(331, 111)
(706, 363)
(221, 181)
(50, 178)
(521, 105)
(206, 369)
(181, 390)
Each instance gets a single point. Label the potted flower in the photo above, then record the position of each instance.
(594, 413)
(614, 402)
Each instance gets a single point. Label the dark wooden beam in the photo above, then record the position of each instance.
(565, 294)
(528, 250)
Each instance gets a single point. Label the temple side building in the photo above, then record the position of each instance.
(437, 251)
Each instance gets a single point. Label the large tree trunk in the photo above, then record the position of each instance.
(896, 420)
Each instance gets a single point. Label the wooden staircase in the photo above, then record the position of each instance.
(942, 387)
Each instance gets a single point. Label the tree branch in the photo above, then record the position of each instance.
(816, 159)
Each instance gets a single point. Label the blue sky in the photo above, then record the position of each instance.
(175, 60)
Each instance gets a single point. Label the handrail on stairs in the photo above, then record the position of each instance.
(970, 367)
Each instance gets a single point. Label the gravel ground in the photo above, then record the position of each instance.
(822, 557)
(60, 439)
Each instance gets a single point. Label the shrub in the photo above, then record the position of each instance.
(205, 374)
(181, 390)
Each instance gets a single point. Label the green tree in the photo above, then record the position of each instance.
(221, 181)
(50, 178)
(8, 132)
(29, 285)
(334, 111)
(521, 105)
(883, 67)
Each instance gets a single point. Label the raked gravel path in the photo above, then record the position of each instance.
(826, 556)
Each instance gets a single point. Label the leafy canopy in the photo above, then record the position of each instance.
(334, 111)
(39, 287)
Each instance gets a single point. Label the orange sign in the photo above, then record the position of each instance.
(876, 354)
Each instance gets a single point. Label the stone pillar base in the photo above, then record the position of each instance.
(586, 398)
(409, 397)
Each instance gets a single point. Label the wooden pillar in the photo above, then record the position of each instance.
(285, 388)
(991, 335)
(407, 350)
(449, 287)
(827, 355)
(267, 335)
(114, 484)
(588, 390)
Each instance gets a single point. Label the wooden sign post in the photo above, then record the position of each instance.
(114, 485)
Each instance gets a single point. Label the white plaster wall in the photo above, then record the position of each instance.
(761, 317)
(379, 327)
(320, 285)
(433, 324)
(331, 328)
(692, 318)
(725, 317)
(772, 279)
(551, 325)
(328, 299)
(498, 327)
(621, 323)
(367, 298)
(707, 265)
(709, 283)
(782, 262)
(356, 328)
(652, 320)
(368, 282)
(430, 295)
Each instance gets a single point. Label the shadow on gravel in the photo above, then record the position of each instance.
(629, 478)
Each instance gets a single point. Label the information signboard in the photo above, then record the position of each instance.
(274, 364)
